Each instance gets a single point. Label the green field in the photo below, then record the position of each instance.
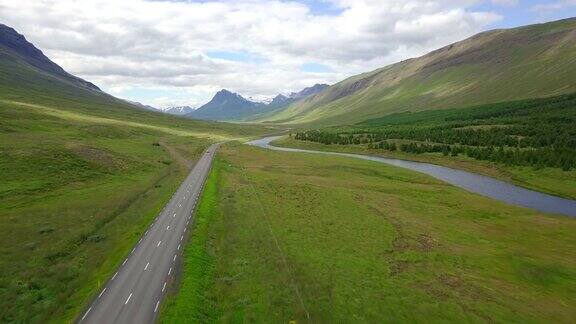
(78, 189)
(288, 236)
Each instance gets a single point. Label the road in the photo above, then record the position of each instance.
(135, 292)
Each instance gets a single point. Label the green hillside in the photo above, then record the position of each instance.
(496, 66)
(82, 174)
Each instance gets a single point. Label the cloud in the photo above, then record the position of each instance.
(554, 6)
(257, 47)
(505, 3)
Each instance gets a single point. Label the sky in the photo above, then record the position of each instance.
(173, 53)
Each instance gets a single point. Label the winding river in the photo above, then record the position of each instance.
(472, 182)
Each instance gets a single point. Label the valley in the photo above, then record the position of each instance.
(440, 188)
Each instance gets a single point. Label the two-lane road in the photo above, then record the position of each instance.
(135, 292)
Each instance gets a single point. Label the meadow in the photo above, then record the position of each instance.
(81, 181)
(286, 237)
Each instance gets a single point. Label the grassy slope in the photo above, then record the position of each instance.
(82, 175)
(345, 240)
(527, 62)
(550, 180)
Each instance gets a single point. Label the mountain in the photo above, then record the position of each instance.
(495, 66)
(226, 105)
(27, 75)
(141, 105)
(281, 100)
(179, 111)
(310, 91)
(14, 44)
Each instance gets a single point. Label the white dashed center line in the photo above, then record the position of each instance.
(128, 299)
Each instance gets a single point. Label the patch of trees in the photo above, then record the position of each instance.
(539, 133)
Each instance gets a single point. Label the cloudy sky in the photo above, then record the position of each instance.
(166, 53)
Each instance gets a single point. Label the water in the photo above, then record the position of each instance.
(472, 182)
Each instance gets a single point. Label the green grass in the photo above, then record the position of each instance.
(549, 180)
(327, 239)
(83, 174)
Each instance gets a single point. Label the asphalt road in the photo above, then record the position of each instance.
(135, 292)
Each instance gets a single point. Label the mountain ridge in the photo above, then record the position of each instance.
(16, 43)
(500, 65)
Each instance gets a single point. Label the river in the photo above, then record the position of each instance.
(482, 185)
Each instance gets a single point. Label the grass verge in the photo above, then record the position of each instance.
(193, 303)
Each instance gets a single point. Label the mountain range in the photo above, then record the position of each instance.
(501, 65)
(227, 105)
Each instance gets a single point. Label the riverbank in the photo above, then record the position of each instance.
(552, 181)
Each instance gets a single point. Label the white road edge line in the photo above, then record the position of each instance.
(178, 246)
(164, 287)
(159, 242)
(146, 267)
(156, 307)
(123, 263)
(128, 299)
(102, 293)
(88, 311)
(174, 258)
(115, 275)
(170, 271)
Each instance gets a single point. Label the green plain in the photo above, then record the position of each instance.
(310, 238)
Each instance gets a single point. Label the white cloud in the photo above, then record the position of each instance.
(506, 3)
(554, 6)
(142, 44)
